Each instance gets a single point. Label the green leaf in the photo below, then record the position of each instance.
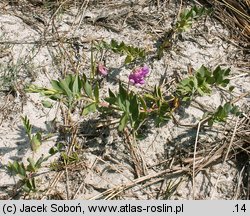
(210, 122)
(195, 83)
(227, 107)
(186, 81)
(164, 109)
(225, 82)
(50, 92)
(56, 86)
(31, 167)
(202, 93)
(76, 85)
(127, 106)
(159, 93)
(16, 166)
(39, 162)
(143, 103)
(32, 89)
(121, 103)
(47, 104)
(122, 93)
(27, 125)
(59, 146)
(21, 170)
(203, 72)
(64, 84)
(53, 150)
(134, 108)
(185, 99)
(235, 110)
(222, 112)
(111, 94)
(155, 94)
(69, 80)
(111, 101)
(227, 72)
(187, 16)
(96, 93)
(27, 187)
(128, 59)
(220, 76)
(150, 97)
(114, 44)
(132, 53)
(88, 89)
(13, 167)
(123, 122)
(33, 183)
(89, 108)
(36, 141)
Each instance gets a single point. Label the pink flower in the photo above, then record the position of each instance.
(102, 69)
(138, 75)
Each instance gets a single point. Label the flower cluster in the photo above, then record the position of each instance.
(102, 70)
(137, 77)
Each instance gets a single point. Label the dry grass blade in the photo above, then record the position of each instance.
(121, 188)
(235, 14)
(195, 148)
(242, 143)
(226, 156)
(137, 157)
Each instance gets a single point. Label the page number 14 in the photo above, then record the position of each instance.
(240, 208)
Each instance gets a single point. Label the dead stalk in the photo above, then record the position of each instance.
(194, 159)
(225, 158)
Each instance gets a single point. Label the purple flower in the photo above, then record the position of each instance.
(138, 75)
(102, 69)
(145, 71)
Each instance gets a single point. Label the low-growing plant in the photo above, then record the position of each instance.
(27, 172)
(132, 53)
(188, 16)
(65, 158)
(71, 90)
(127, 102)
(159, 106)
(36, 139)
(136, 108)
(11, 73)
(222, 112)
(183, 23)
(201, 82)
(132, 108)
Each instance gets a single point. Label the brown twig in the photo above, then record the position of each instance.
(225, 158)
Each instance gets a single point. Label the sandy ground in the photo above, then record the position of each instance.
(105, 160)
